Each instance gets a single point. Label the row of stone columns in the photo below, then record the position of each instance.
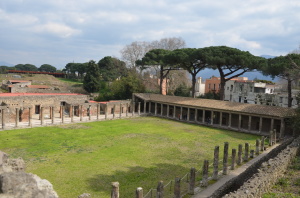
(62, 116)
(210, 121)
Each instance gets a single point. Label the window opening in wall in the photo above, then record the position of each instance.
(240, 98)
(63, 103)
(112, 110)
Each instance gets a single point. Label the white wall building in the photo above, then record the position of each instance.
(200, 87)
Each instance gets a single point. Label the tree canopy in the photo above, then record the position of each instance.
(47, 68)
(111, 68)
(91, 81)
(26, 67)
(230, 62)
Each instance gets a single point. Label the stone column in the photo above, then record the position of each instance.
(260, 124)
(275, 136)
(262, 143)
(181, 113)
(115, 190)
(106, 110)
(220, 121)
(52, 112)
(42, 115)
(233, 155)
(145, 106)
(174, 112)
(127, 109)
(257, 147)
(225, 158)
(240, 152)
(196, 115)
(29, 117)
(60, 112)
(120, 114)
(168, 110)
(246, 152)
(155, 108)
(160, 190)
(177, 188)
(72, 113)
(249, 123)
(114, 112)
(216, 163)
(229, 121)
(139, 108)
(251, 153)
(212, 118)
(90, 112)
(98, 111)
(272, 124)
(188, 115)
(17, 117)
(62, 115)
(139, 192)
(192, 181)
(240, 122)
(271, 138)
(133, 108)
(150, 107)
(203, 116)
(81, 112)
(282, 128)
(3, 119)
(161, 109)
(205, 173)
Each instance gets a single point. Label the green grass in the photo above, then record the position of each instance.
(137, 152)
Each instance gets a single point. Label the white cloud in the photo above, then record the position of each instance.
(57, 29)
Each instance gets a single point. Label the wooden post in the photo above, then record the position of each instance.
(233, 156)
(229, 120)
(139, 192)
(240, 122)
(155, 108)
(225, 158)
(17, 117)
(246, 152)
(216, 163)
(192, 181)
(260, 124)
(150, 107)
(203, 116)
(177, 187)
(240, 151)
(262, 145)
(257, 147)
(220, 121)
(160, 190)
(205, 173)
(115, 190)
(196, 115)
(174, 112)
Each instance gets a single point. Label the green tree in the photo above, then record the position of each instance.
(26, 67)
(231, 63)
(91, 81)
(111, 68)
(189, 59)
(47, 68)
(157, 57)
(286, 67)
(182, 90)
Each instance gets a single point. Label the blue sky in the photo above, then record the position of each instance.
(60, 31)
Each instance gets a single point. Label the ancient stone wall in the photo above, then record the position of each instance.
(262, 175)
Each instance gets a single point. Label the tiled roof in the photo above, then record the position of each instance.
(219, 105)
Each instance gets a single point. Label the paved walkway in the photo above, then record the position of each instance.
(232, 174)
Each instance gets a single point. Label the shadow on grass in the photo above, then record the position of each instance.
(137, 176)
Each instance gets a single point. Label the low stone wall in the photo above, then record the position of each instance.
(267, 173)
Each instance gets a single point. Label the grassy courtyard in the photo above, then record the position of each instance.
(137, 152)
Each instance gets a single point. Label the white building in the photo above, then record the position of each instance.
(200, 87)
